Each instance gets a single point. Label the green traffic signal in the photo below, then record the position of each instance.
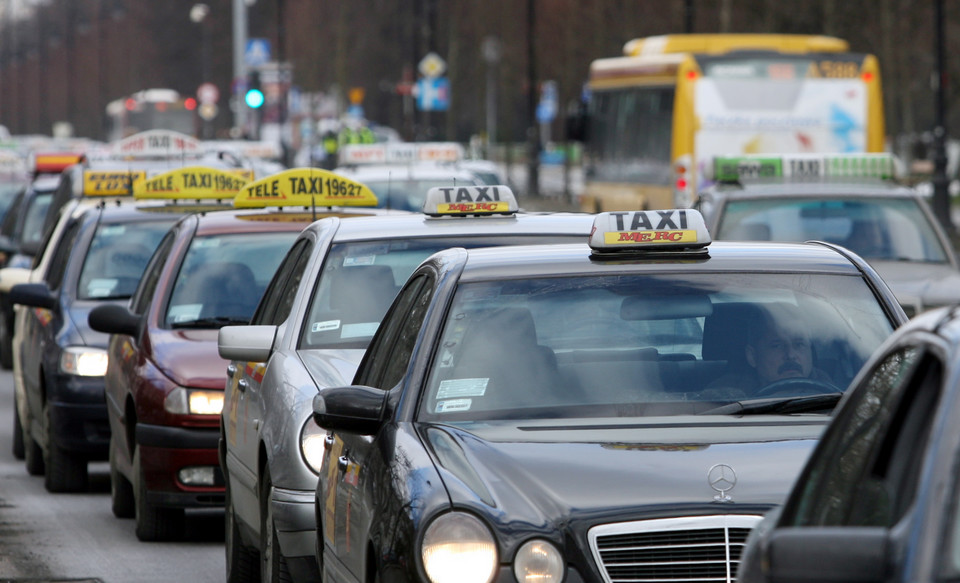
(254, 98)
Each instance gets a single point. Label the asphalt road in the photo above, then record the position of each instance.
(59, 537)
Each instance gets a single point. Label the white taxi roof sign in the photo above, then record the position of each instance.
(638, 231)
(157, 144)
(304, 187)
(469, 200)
(804, 166)
(191, 183)
(400, 153)
(111, 182)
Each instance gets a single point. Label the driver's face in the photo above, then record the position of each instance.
(783, 352)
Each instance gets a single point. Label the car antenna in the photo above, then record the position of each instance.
(389, 187)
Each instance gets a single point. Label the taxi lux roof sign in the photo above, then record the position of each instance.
(305, 187)
(157, 144)
(111, 182)
(193, 182)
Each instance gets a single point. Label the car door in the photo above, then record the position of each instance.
(353, 459)
(244, 399)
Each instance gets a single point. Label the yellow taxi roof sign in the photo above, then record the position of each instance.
(191, 183)
(638, 231)
(111, 182)
(305, 187)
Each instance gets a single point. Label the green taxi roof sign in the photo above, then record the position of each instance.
(803, 166)
(306, 187)
(470, 200)
(641, 231)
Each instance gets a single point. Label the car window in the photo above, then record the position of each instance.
(648, 345)
(866, 470)
(358, 281)
(12, 218)
(222, 278)
(278, 299)
(33, 220)
(148, 284)
(58, 262)
(371, 372)
(878, 228)
(116, 258)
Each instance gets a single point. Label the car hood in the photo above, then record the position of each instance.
(525, 472)
(189, 357)
(332, 368)
(920, 286)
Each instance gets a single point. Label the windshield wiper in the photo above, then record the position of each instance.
(782, 406)
(215, 322)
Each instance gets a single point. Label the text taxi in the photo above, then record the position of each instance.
(309, 332)
(94, 256)
(553, 413)
(164, 379)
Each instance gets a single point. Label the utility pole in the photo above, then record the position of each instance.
(533, 129)
(239, 68)
(941, 195)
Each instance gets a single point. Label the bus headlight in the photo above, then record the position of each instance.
(183, 401)
(457, 547)
(538, 561)
(312, 446)
(83, 361)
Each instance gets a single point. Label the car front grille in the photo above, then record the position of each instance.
(694, 549)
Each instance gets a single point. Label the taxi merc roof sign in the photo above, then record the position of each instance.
(614, 232)
(192, 182)
(469, 200)
(735, 168)
(304, 187)
(157, 144)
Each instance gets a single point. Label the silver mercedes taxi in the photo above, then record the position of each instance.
(310, 331)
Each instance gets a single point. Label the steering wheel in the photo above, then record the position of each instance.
(798, 386)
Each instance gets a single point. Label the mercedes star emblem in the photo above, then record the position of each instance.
(722, 478)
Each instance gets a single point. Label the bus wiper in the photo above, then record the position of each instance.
(782, 406)
(214, 322)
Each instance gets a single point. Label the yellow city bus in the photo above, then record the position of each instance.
(655, 118)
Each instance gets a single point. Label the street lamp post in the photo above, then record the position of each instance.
(198, 14)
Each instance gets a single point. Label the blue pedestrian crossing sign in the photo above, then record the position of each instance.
(257, 52)
(433, 94)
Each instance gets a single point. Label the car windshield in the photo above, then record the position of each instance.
(222, 278)
(33, 221)
(359, 281)
(8, 193)
(874, 228)
(650, 345)
(116, 258)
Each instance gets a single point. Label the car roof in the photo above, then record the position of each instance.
(417, 225)
(813, 189)
(722, 256)
(423, 170)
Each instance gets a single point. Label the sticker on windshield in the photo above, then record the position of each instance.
(101, 287)
(184, 312)
(364, 260)
(455, 388)
(112, 230)
(361, 330)
(454, 405)
(325, 326)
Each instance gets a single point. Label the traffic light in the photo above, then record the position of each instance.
(254, 96)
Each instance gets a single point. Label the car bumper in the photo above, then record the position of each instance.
(165, 451)
(81, 428)
(294, 516)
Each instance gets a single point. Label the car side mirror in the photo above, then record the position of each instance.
(246, 343)
(828, 555)
(114, 319)
(35, 295)
(352, 409)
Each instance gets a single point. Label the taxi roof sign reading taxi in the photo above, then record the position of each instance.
(400, 153)
(111, 182)
(307, 187)
(193, 183)
(469, 200)
(639, 231)
(804, 166)
(157, 144)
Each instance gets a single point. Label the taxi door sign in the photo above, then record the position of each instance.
(157, 144)
(677, 228)
(464, 200)
(111, 182)
(305, 187)
(192, 182)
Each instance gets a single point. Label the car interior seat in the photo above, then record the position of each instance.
(225, 289)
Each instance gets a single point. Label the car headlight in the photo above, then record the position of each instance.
(312, 446)
(538, 561)
(83, 361)
(457, 547)
(183, 401)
